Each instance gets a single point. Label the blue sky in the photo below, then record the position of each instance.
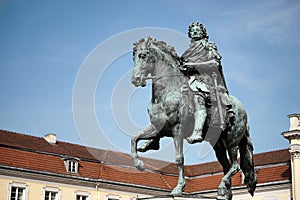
(44, 44)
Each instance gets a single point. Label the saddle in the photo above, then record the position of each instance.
(213, 115)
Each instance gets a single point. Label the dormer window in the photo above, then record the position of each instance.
(71, 164)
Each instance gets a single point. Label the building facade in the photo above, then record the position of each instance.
(33, 168)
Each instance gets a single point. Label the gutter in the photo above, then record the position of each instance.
(92, 180)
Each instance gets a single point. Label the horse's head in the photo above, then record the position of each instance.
(143, 61)
(151, 54)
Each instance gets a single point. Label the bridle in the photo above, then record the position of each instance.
(156, 78)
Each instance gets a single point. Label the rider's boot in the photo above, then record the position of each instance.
(230, 115)
(152, 144)
(200, 117)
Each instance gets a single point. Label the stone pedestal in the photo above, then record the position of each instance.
(293, 135)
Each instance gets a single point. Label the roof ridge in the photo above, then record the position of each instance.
(105, 155)
(272, 151)
(41, 137)
(24, 134)
(165, 181)
(210, 162)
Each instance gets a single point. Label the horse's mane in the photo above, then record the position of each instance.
(168, 49)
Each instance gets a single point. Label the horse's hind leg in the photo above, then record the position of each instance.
(234, 168)
(147, 133)
(220, 151)
(247, 165)
(178, 143)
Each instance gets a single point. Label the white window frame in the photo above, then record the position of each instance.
(51, 189)
(82, 193)
(270, 197)
(69, 161)
(112, 197)
(18, 185)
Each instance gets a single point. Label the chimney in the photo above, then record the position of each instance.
(50, 138)
(293, 135)
(294, 122)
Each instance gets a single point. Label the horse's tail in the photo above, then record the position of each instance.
(246, 163)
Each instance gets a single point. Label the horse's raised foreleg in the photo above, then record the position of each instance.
(147, 133)
(178, 142)
(234, 168)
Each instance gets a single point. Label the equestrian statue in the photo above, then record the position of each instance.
(190, 100)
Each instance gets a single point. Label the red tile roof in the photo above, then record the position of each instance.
(35, 153)
(272, 157)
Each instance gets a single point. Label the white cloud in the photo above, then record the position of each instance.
(276, 22)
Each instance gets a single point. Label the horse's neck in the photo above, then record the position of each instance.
(165, 69)
(168, 78)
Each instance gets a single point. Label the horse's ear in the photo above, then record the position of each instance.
(141, 40)
(148, 42)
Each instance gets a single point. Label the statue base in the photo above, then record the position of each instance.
(184, 196)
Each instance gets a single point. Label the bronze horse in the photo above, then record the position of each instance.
(171, 115)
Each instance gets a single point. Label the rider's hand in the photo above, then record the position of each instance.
(185, 89)
(182, 66)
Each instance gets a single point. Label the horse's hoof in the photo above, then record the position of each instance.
(193, 140)
(176, 193)
(222, 194)
(139, 164)
(178, 190)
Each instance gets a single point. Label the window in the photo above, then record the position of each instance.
(112, 197)
(18, 191)
(51, 193)
(71, 165)
(79, 195)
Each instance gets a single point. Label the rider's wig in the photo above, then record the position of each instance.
(200, 25)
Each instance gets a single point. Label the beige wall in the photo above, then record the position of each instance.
(283, 194)
(67, 191)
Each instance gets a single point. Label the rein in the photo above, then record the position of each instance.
(188, 64)
(159, 77)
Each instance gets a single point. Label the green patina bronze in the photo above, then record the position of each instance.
(190, 101)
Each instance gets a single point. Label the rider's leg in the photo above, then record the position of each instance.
(200, 115)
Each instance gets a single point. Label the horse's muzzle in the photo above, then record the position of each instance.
(138, 81)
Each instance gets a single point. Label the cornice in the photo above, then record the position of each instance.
(290, 135)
